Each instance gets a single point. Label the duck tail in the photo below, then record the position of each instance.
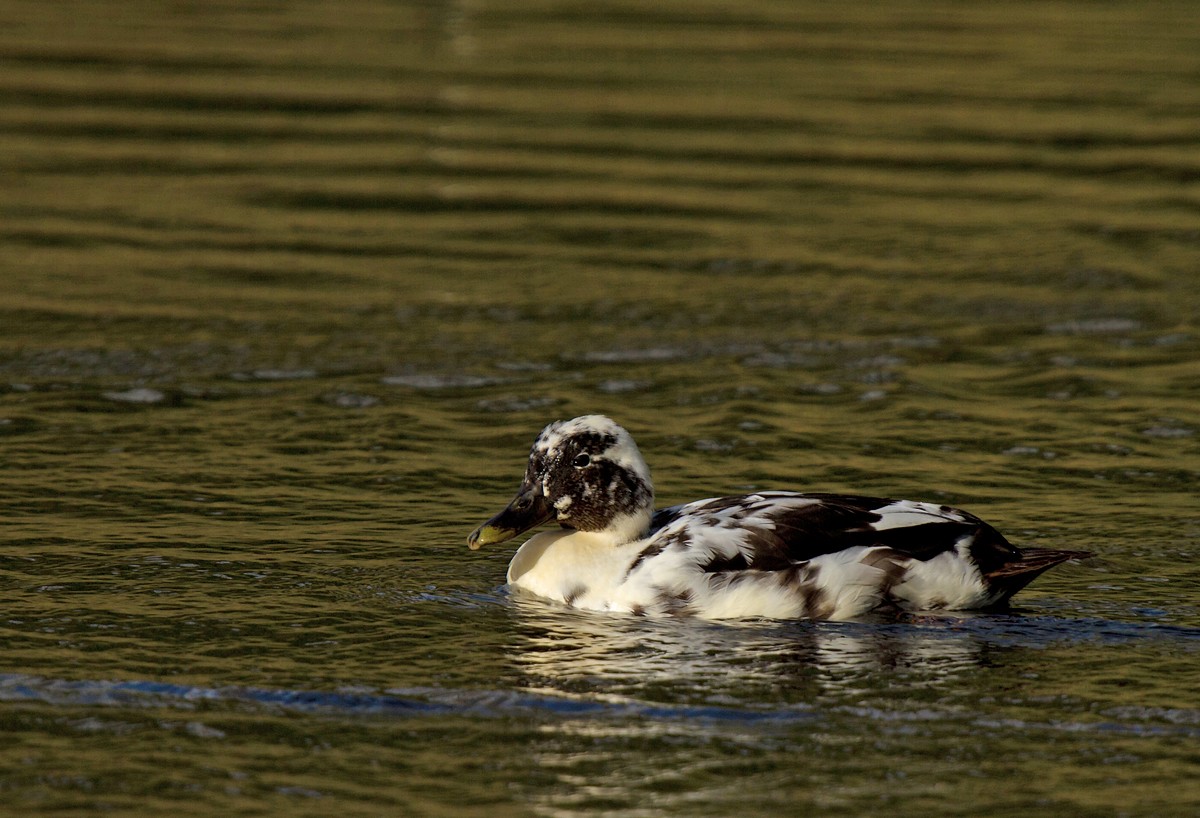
(1015, 575)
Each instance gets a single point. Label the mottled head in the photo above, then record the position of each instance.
(587, 474)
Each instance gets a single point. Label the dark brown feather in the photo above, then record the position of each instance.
(1014, 575)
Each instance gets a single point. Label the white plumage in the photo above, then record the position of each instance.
(774, 554)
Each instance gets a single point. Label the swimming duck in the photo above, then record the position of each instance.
(770, 554)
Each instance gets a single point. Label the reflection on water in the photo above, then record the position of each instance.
(580, 653)
(610, 715)
(828, 696)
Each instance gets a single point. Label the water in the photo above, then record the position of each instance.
(289, 289)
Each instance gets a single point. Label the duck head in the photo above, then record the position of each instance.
(587, 474)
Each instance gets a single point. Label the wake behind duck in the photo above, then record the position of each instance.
(772, 554)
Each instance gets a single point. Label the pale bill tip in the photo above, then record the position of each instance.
(487, 535)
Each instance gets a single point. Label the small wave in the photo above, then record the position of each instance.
(1046, 630)
(144, 693)
(432, 381)
(137, 395)
(398, 703)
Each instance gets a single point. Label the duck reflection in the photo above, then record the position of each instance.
(713, 703)
(749, 664)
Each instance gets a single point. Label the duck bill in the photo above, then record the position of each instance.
(528, 509)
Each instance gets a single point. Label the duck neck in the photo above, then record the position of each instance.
(629, 527)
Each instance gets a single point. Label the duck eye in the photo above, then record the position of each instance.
(581, 460)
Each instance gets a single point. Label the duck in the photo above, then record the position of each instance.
(761, 555)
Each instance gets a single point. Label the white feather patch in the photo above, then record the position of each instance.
(904, 513)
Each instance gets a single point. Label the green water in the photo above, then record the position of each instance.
(286, 291)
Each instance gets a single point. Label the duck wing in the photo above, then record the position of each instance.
(773, 531)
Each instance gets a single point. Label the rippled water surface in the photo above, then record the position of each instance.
(287, 290)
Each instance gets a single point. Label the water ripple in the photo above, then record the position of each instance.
(16, 687)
